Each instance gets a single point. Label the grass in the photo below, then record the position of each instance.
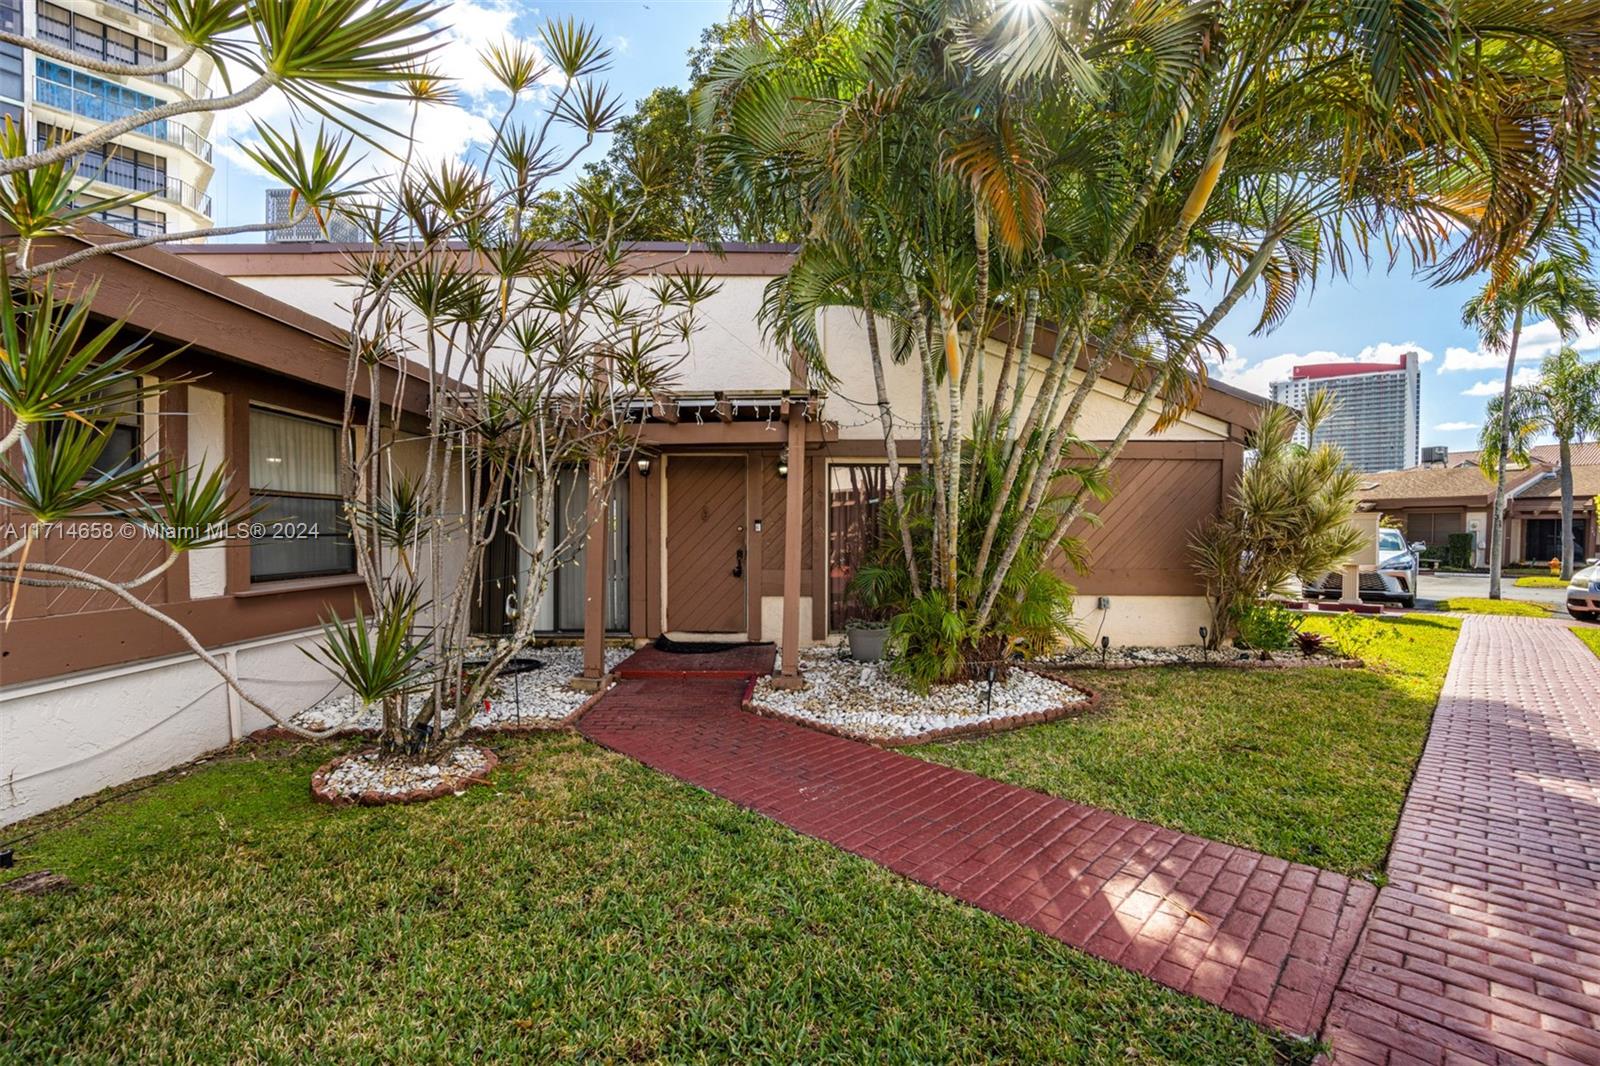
(1311, 765)
(581, 908)
(1483, 605)
(1589, 636)
(1541, 582)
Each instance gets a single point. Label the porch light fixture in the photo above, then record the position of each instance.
(783, 463)
(643, 465)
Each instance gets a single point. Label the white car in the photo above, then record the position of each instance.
(1395, 578)
(1583, 594)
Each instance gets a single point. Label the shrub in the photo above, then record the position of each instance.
(1288, 515)
(1267, 627)
(1458, 551)
(936, 639)
(1309, 643)
(1356, 635)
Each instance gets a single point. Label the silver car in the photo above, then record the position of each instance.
(1583, 594)
(1395, 579)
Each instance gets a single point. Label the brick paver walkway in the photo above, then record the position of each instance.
(1260, 936)
(1485, 944)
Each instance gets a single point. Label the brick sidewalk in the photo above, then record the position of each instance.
(1485, 944)
(1260, 936)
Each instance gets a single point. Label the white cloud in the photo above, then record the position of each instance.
(1455, 427)
(1538, 341)
(443, 131)
(1526, 375)
(1257, 377)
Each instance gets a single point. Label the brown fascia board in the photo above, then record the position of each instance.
(154, 290)
(1234, 406)
(321, 259)
(732, 259)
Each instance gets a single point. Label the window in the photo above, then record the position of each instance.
(133, 220)
(121, 426)
(94, 38)
(856, 492)
(10, 54)
(114, 164)
(294, 478)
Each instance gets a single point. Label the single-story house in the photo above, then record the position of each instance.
(1433, 501)
(93, 693)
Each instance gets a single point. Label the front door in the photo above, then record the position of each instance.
(706, 552)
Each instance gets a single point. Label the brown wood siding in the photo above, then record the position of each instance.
(1141, 544)
(705, 530)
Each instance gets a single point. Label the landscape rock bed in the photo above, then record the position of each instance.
(864, 702)
(1132, 658)
(370, 779)
(537, 699)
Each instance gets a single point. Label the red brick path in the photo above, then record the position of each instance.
(1485, 944)
(1260, 936)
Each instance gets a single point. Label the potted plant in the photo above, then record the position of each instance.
(867, 637)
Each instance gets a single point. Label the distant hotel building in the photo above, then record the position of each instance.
(55, 99)
(340, 230)
(1379, 409)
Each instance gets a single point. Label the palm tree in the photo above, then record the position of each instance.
(1564, 402)
(1555, 287)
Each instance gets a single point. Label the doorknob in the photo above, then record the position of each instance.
(738, 563)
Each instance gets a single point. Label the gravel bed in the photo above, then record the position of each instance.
(863, 699)
(536, 697)
(1125, 658)
(368, 773)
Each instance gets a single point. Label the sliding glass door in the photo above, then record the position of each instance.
(561, 607)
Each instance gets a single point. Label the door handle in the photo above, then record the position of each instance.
(738, 563)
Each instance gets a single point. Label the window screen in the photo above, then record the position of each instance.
(294, 478)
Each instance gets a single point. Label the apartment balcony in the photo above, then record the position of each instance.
(150, 9)
(105, 51)
(99, 108)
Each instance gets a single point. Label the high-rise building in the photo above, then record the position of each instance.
(339, 229)
(55, 98)
(1378, 414)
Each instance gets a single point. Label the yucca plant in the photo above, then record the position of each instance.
(380, 660)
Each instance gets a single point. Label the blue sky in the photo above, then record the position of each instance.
(1372, 316)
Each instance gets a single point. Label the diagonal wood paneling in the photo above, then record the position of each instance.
(1155, 508)
(705, 531)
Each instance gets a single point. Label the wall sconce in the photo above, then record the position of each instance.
(783, 463)
(643, 465)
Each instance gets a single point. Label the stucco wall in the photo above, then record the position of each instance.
(73, 736)
(1143, 620)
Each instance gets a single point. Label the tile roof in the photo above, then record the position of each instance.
(1586, 454)
(1436, 483)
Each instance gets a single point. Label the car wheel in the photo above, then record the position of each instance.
(1409, 603)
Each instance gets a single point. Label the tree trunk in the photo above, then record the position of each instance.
(1566, 510)
(1497, 520)
(896, 483)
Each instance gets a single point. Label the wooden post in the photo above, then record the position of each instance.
(594, 577)
(793, 514)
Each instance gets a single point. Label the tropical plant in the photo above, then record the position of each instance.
(939, 639)
(1555, 287)
(1267, 627)
(533, 358)
(963, 174)
(1563, 401)
(1288, 516)
(330, 57)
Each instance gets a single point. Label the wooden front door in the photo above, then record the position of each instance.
(706, 553)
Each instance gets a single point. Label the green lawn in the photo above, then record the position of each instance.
(581, 908)
(1311, 765)
(1589, 635)
(1542, 582)
(1483, 605)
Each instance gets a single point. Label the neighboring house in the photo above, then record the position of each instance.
(1435, 501)
(52, 99)
(1376, 420)
(93, 693)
